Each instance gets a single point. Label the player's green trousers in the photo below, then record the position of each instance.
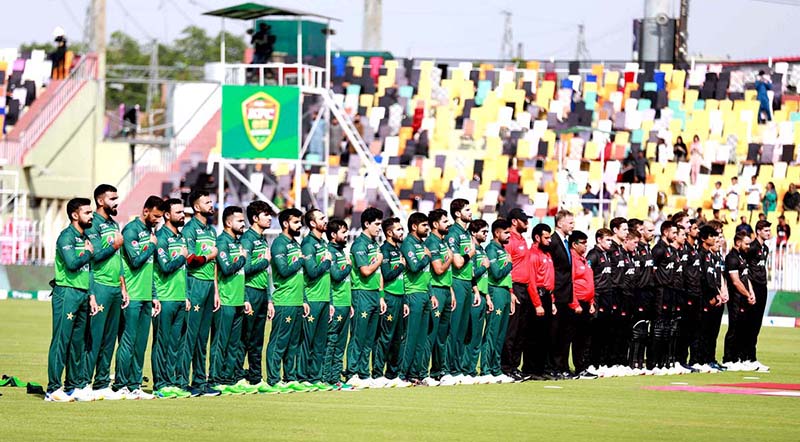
(284, 344)
(103, 330)
(496, 327)
(253, 327)
(198, 326)
(363, 331)
(459, 320)
(337, 340)
(315, 338)
(414, 360)
(70, 310)
(132, 344)
(472, 350)
(226, 338)
(436, 345)
(390, 334)
(168, 342)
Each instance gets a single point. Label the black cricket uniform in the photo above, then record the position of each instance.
(664, 263)
(603, 297)
(736, 339)
(757, 265)
(690, 309)
(704, 349)
(644, 304)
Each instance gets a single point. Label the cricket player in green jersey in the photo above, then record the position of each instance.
(256, 291)
(499, 302)
(201, 287)
(442, 289)
(317, 282)
(71, 305)
(368, 300)
(170, 281)
(460, 243)
(390, 328)
(479, 230)
(226, 336)
(138, 248)
(286, 308)
(108, 288)
(341, 309)
(418, 302)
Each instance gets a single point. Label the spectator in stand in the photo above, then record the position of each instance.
(784, 232)
(744, 227)
(701, 218)
(663, 152)
(641, 167)
(679, 149)
(263, 43)
(718, 197)
(718, 217)
(732, 198)
(770, 200)
(337, 137)
(791, 200)
(763, 84)
(59, 57)
(588, 200)
(696, 158)
(753, 196)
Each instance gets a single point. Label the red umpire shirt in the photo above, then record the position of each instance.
(582, 281)
(542, 274)
(517, 249)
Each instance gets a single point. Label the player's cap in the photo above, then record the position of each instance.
(518, 214)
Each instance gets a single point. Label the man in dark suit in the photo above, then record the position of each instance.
(562, 327)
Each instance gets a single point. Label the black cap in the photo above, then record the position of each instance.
(517, 213)
(763, 224)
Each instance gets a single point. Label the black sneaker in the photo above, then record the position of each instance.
(194, 391)
(585, 374)
(550, 376)
(210, 392)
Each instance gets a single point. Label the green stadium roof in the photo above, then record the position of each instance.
(252, 11)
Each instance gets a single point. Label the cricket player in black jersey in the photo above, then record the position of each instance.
(664, 264)
(742, 300)
(711, 306)
(600, 262)
(618, 256)
(644, 313)
(757, 255)
(678, 298)
(690, 308)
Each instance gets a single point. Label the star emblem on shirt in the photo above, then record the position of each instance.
(390, 318)
(437, 313)
(311, 318)
(498, 312)
(364, 315)
(339, 318)
(101, 308)
(288, 319)
(251, 312)
(197, 308)
(70, 316)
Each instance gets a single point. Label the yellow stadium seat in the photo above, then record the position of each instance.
(358, 65)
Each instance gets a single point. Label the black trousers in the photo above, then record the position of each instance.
(737, 338)
(601, 330)
(689, 329)
(542, 360)
(562, 331)
(710, 322)
(582, 338)
(519, 337)
(755, 319)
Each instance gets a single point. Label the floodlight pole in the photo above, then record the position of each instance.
(327, 115)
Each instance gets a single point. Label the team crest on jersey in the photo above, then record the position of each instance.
(411, 255)
(109, 240)
(294, 259)
(174, 253)
(204, 247)
(135, 243)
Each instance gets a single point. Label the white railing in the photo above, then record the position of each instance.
(280, 74)
(13, 149)
(783, 265)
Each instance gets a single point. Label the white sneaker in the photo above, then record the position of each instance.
(430, 382)
(140, 394)
(748, 366)
(659, 371)
(81, 395)
(648, 372)
(401, 384)
(107, 394)
(356, 381)
(675, 369)
(603, 371)
(448, 381)
(58, 396)
(392, 383)
(468, 380)
(380, 382)
(504, 379)
(485, 379)
(699, 368)
(733, 366)
(760, 367)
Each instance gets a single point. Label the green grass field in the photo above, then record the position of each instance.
(604, 409)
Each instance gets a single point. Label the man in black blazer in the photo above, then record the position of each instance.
(562, 325)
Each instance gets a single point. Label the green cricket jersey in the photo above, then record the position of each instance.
(438, 250)
(417, 275)
(137, 259)
(459, 241)
(287, 272)
(231, 270)
(256, 268)
(72, 259)
(170, 274)
(200, 238)
(392, 269)
(364, 252)
(106, 262)
(340, 276)
(481, 277)
(316, 276)
(499, 265)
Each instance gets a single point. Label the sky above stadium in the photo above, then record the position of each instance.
(740, 29)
